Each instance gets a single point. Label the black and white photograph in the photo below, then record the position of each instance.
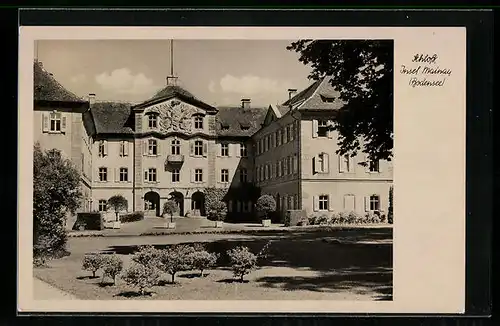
(232, 170)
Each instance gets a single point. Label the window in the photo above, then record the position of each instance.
(224, 149)
(152, 121)
(245, 207)
(103, 174)
(152, 147)
(151, 175)
(268, 142)
(328, 99)
(198, 148)
(243, 175)
(224, 175)
(176, 175)
(374, 166)
(288, 133)
(103, 205)
(55, 121)
(374, 203)
(282, 136)
(123, 174)
(276, 141)
(322, 128)
(123, 148)
(289, 164)
(322, 163)
(198, 122)
(175, 147)
(290, 202)
(102, 149)
(243, 150)
(323, 202)
(198, 175)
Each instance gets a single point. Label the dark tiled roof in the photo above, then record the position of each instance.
(111, 117)
(241, 121)
(303, 95)
(312, 98)
(47, 88)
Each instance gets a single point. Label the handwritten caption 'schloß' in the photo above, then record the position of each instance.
(425, 71)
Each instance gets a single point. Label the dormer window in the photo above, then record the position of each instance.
(244, 125)
(327, 99)
(224, 125)
(152, 121)
(198, 122)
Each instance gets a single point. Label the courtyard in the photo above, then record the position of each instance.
(320, 264)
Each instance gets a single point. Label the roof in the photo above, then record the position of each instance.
(239, 121)
(47, 88)
(171, 91)
(299, 97)
(314, 97)
(111, 117)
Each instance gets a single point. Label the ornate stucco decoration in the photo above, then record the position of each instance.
(175, 115)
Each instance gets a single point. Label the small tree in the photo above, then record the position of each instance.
(112, 265)
(92, 263)
(118, 203)
(141, 276)
(170, 207)
(202, 259)
(242, 261)
(147, 256)
(176, 259)
(265, 205)
(390, 213)
(214, 203)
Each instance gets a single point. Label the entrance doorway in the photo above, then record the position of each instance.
(152, 202)
(179, 199)
(198, 203)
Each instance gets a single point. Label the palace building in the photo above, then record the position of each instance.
(175, 145)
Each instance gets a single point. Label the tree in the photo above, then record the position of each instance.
(141, 276)
(56, 191)
(214, 203)
(243, 261)
(170, 207)
(176, 259)
(118, 203)
(112, 265)
(265, 204)
(362, 72)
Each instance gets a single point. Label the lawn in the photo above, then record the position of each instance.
(352, 264)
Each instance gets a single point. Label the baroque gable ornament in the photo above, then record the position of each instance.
(175, 116)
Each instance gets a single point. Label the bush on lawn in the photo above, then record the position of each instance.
(92, 263)
(242, 261)
(216, 208)
(176, 259)
(132, 217)
(89, 221)
(265, 205)
(372, 217)
(112, 265)
(141, 277)
(201, 259)
(147, 256)
(56, 192)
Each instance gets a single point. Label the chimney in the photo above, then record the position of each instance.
(291, 93)
(171, 81)
(245, 103)
(91, 98)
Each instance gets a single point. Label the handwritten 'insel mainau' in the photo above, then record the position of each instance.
(427, 74)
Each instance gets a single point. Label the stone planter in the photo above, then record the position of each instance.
(219, 224)
(266, 223)
(169, 225)
(116, 224)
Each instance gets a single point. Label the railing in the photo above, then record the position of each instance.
(175, 158)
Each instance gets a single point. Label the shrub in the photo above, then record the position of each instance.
(147, 256)
(43, 249)
(132, 217)
(215, 206)
(323, 219)
(89, 221)
(118, 203)
(92, 263)
(56, 191)
(170, 207)
(112, 265)
(202, 259)
(335, 218)
(141, 276)
(294, 217)
(265, 205)
(390, 213)
(176, 259)
(242, 261)
(312, 219)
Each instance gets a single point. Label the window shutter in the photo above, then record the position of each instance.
(315, 169)
(341, 164)
(63, 123)
(117, 175)
(129, 176)
(330, 203)
(146, 175)
(144, 147)
(326, 163)
(297, 125)
(367, 167)
(330, 131)
(125, 148)
(315, 203)
(205, 149)
(230, 149)
(45, 122)
(191, 148)
(192, 175)
(105, 147)
(158, 150)
(292, 131)
(315, 128)
(97, 175)
(367, 204)
(380, 165)
(238, 150)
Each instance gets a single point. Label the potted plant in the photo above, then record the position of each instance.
(169, 208)
(265, 205)
(117, 203)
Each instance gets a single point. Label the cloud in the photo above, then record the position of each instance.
(122, 81)
(211, 86)
(78, 78)
(252, 85)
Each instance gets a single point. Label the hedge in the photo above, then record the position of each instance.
(89, 221)
(132, 217)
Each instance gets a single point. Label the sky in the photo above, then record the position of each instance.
(218, 72)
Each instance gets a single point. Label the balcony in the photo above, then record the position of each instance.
(175, 159)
